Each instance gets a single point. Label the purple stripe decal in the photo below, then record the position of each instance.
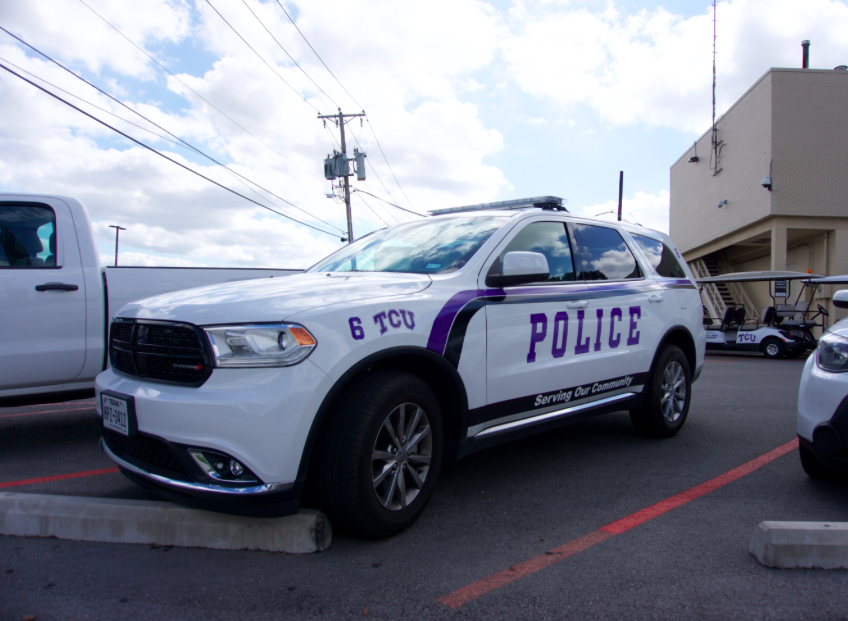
(444, 320)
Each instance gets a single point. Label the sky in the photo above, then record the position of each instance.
(466, 101)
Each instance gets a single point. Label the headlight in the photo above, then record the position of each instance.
(832, 354)
(260, 345)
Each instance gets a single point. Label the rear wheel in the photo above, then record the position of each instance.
(773, 348)
(379, 456)
(668, 393)
(815, 469)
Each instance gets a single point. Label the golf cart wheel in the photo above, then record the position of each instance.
(668, 393)
(379, 455)
(815, 469)
(773, 348)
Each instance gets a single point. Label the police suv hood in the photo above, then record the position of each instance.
(272, 299)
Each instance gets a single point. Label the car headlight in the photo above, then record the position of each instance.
(260, 345)
(832, 354)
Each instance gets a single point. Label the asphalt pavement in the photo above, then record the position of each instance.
(496, 521)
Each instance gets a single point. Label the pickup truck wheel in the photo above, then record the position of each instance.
(668, 393)
(381, 454)
(773, 348)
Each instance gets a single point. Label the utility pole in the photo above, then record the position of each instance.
(118, 230)
(339, 119)
(620, 191)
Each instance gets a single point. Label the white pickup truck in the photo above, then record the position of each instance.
(56, 301)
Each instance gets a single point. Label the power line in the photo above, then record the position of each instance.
(392, 204)
(160, 154)
(213, 106)
(319, 57)
(387, 161)
(262, 59)
(287, 54)
(184, 143)
(368, 162)
(372, 210)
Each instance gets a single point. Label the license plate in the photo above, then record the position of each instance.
(118, 413)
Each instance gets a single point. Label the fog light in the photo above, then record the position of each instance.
(236, 468)
(219, 465)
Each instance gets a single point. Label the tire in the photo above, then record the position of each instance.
(815, 469)
(773, 348)
(355, 450)
(668, 393)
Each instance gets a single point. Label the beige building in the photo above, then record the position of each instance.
(791, 126)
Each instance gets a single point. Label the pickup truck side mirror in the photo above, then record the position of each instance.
(840, 299)
(520, 268)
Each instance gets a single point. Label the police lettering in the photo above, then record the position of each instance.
(616, 330)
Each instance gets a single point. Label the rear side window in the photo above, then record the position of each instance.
(660, 256)
(27, 236)
(549, 239)
(604, 254)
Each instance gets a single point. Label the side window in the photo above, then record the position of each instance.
(604, 254)
(27, 236)
(660, 256)
(549, 239)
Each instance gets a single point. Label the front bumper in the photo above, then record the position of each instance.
(823, 414)
(276, 499)
(259, 417)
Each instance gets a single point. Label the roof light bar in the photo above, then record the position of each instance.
(544, 202)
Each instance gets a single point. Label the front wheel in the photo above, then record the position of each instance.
(380, 454)
(668, 393)
(773, 348)
(815, 469)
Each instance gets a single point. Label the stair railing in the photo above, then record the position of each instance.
(736, 289)
(711, 296)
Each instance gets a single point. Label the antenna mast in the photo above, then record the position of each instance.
(714, 138)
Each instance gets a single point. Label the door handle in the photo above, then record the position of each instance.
(656, 298)
(582, 304)
(56, 286)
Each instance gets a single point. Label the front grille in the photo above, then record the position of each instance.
(147, 452)
(159, 351)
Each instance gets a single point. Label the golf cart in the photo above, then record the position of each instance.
(782, 329)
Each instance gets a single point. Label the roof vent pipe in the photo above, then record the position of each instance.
(805, 59)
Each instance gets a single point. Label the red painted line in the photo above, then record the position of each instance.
(649, 513)
(537, 563)
(58, 477)
(44, 412)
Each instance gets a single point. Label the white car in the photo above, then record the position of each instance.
(823, 399)
(419, 343)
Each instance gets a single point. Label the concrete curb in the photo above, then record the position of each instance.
(801, 545)
(144, 521)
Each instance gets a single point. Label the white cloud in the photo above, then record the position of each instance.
(649, 210)
(654, 67)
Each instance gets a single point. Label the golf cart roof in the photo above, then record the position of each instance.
(830, 280)
(757, 277)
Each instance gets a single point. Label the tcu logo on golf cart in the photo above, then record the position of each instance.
(387, 319)
(559, 344)
(747, 337)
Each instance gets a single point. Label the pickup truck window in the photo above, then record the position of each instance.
(604, 254)
(422, 247)
(27, 236)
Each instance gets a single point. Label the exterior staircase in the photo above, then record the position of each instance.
(711, 262)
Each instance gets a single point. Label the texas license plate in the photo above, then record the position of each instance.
(118, 413)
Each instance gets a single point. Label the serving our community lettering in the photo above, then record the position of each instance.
(612, 335)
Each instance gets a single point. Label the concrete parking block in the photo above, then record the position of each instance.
(800, 545)
(163, 523)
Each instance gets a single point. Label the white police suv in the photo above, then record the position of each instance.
(418, 343)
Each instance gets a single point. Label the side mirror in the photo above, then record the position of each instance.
(520, 268)
(840, 299)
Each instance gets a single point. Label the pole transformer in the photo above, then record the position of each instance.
(339, 119)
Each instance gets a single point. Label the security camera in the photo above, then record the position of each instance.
(766, 183)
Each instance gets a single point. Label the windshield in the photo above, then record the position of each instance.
(423, 247)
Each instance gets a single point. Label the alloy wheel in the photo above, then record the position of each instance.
(673, 391)
(400, 460)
